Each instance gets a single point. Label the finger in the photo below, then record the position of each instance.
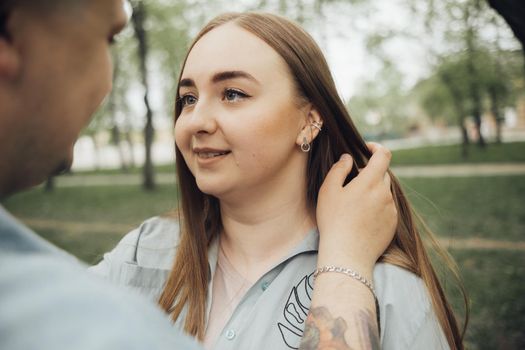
(387, 180)
(378, 163)
(339, 170)
(373, 146)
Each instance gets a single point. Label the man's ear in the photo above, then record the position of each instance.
(312, 126)
(9, 60)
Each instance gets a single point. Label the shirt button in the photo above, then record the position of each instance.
(230, 334)
(265, 285)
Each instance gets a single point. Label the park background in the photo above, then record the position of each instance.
(442, 83)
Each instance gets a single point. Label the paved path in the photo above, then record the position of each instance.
(456, 170)
(84, 228)
(460, 170)
(110, 180)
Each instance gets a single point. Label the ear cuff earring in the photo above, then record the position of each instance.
(317, 125)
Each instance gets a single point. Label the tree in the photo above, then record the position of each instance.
(380, 109)
(446, 94)
(138, 20)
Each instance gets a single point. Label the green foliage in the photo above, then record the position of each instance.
(169, 31)
(381, 109)
(477, 65)
(446, 94)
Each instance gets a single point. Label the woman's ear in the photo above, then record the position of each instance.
(312, 126)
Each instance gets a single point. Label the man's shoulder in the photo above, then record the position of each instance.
(15, 237)
(64, 307)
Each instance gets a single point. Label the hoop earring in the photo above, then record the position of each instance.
(305, 146)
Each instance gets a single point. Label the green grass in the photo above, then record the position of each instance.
(487, 207)
(87, 246)
(494, 281)
(110, 204)
(512, 152)
(165, 168)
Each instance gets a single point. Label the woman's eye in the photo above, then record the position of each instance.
(188, 100)
(232, 95)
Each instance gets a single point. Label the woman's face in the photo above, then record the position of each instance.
(240, 124)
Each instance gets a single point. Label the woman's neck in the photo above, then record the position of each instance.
(260, 231)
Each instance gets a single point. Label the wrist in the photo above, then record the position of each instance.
(359, 262)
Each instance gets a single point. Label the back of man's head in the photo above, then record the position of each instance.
(55, 70)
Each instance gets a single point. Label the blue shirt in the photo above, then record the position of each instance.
(49, 301)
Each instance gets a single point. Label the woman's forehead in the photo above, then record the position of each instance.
(232, 48)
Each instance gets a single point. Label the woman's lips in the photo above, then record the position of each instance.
(210, 153)
(207, 155)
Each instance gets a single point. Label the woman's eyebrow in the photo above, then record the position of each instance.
(227, 75)
(187, 82)
(221, 76)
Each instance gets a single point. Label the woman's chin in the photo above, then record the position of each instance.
(211, 188)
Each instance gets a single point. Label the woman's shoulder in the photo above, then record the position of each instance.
(159, 232)
(152, 245)
(394, 283)
(406, 311)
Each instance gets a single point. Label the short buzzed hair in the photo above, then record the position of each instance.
(6, 6)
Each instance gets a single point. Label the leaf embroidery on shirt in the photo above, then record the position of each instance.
(295, 312)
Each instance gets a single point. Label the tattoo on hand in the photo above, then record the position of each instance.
(323, 331)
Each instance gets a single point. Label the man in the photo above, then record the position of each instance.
(55, 70)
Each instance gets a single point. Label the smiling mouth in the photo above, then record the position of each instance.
(208, 155)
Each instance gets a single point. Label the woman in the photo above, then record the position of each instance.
(259, 125)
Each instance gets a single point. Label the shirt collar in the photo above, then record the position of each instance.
(309, 244)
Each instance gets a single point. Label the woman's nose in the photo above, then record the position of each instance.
(202, 119)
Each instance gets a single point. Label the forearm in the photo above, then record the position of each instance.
(342, 314)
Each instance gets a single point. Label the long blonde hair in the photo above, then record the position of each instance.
(200, 216)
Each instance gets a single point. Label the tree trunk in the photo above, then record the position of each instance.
(474, 87)
(131, 148)
(112, 109)
(50, 184)
(115, 136)
(460, 112)
(464, 139)
(97, 150)
(138, 18)
(496, 111)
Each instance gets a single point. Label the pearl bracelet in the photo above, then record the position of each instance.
(355, 275)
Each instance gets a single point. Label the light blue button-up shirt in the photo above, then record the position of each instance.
(49, 302)
(272, 314)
